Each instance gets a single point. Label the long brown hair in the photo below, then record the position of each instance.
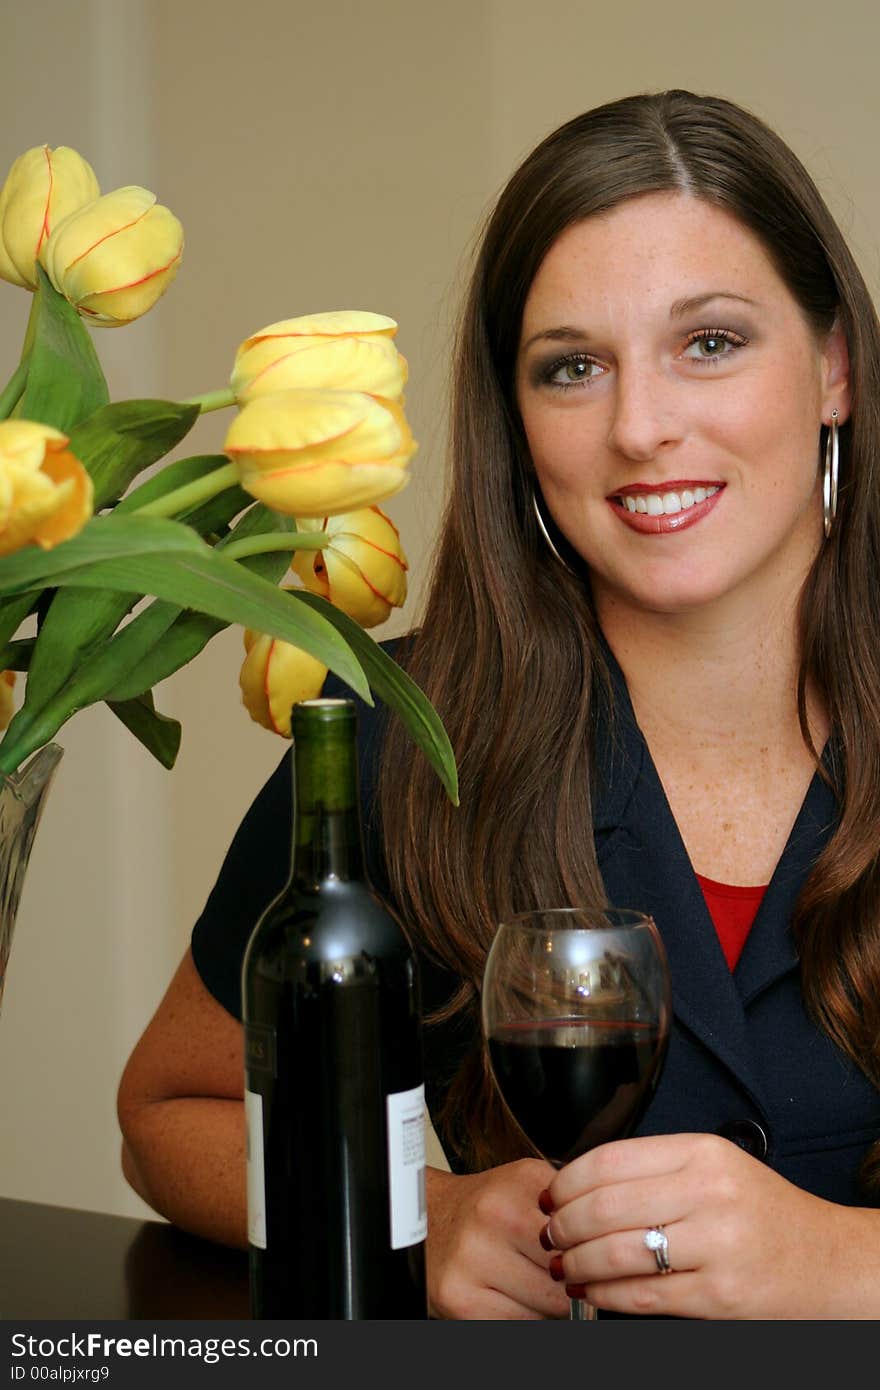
(509, 653)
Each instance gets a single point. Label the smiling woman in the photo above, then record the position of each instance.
(666, 358)
(675, 441)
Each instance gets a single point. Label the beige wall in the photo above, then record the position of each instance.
(325, 156)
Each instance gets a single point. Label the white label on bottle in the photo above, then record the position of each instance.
(256, 1173)
(406, 1167)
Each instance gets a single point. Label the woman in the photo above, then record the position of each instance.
(653, 635)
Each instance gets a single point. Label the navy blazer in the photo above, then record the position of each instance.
(743, 1060)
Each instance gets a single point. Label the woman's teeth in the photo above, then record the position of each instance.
(657, 504)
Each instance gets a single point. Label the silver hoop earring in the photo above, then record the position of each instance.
(542, 526)
(830, 473)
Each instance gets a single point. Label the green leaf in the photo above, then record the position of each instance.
(13, 612)
(396, 689)
(208, 518)
(192, 632)
(169, 479)
(65, 382)
(102, 538)
(159, 734)
(16, 656)
(77, 623)
(189, 634)
(121, 440)
(14, 389)
(166, 559)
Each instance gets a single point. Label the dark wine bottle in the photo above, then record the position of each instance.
(334, 1092)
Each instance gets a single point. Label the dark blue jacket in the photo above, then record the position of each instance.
(744, 1059)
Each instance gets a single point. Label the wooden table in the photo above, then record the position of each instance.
(59, 1263)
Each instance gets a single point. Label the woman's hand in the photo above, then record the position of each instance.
(743, 1241)
(484, 1254)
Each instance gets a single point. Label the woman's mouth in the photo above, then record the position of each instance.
(654, 510)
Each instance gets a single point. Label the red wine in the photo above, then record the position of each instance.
(333, 1066)
(574, 1083)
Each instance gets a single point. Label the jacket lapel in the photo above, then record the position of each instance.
(644, 865)
(769, 952)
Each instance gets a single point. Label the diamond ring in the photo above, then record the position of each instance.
(656, 1240)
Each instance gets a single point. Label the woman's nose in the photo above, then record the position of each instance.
(645, 419)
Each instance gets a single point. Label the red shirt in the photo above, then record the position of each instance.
(733, 910)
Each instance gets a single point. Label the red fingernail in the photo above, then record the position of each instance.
(576, 1290)
(545, 1202)
(546, 1239)
(556, 1270)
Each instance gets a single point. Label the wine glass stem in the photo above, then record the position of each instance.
(581, 1311)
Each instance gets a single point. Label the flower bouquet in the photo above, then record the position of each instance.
(115, 572)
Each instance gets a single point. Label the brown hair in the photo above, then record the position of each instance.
(508, 652)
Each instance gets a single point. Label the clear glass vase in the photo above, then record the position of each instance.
(22, 798)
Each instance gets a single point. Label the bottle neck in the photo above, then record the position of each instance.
(327, 838)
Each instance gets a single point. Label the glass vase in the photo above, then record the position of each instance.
(22, 798)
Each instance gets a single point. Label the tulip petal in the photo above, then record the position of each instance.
(42, 188)
(344, 364)
(115, 257)
(274, 676)
(45, 493)
(117, 307)
(362, 570)
(291, 420)
(69, 519)
(336, 487)
(332, 321)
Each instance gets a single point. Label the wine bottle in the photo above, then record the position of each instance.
(334, 1092)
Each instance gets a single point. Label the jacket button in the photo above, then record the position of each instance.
(748, 1134)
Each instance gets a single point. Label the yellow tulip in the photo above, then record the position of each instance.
(362, 570)
(274, 676)
(41, 189)
(116, 256)
(45, 493)
(319, 453)
(7, 703)
(346, 350)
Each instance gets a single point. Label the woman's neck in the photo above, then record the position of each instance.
(716, 699)
(715, 679)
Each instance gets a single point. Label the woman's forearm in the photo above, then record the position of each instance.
(186, 1158)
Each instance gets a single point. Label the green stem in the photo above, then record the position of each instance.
(212, 400)
(275, 540)
(182, 499)
(14, 389)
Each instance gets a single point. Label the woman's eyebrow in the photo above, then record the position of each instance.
(699, 301)
(563, 334)
(566, 333)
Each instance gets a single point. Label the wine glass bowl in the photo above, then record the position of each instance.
(576, 1009)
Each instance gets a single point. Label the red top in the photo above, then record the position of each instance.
(733, 910)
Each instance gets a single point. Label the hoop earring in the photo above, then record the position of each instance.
(542, 527)
(830, 473)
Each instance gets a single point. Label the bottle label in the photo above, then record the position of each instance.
(256, 1174)
(406, 1167)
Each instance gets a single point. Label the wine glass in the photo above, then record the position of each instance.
(576, 1010)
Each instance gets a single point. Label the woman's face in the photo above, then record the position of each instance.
(672, 393)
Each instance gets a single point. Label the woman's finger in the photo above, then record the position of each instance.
(621, 1206)
(625, 1254)
(626, 1159)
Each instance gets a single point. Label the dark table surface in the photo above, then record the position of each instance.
(59, 1263)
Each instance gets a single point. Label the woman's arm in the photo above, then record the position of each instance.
(181, 1112)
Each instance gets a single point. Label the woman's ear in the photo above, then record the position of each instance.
(836, 394)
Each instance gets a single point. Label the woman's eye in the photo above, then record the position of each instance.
(576, 370)
(712, 343)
